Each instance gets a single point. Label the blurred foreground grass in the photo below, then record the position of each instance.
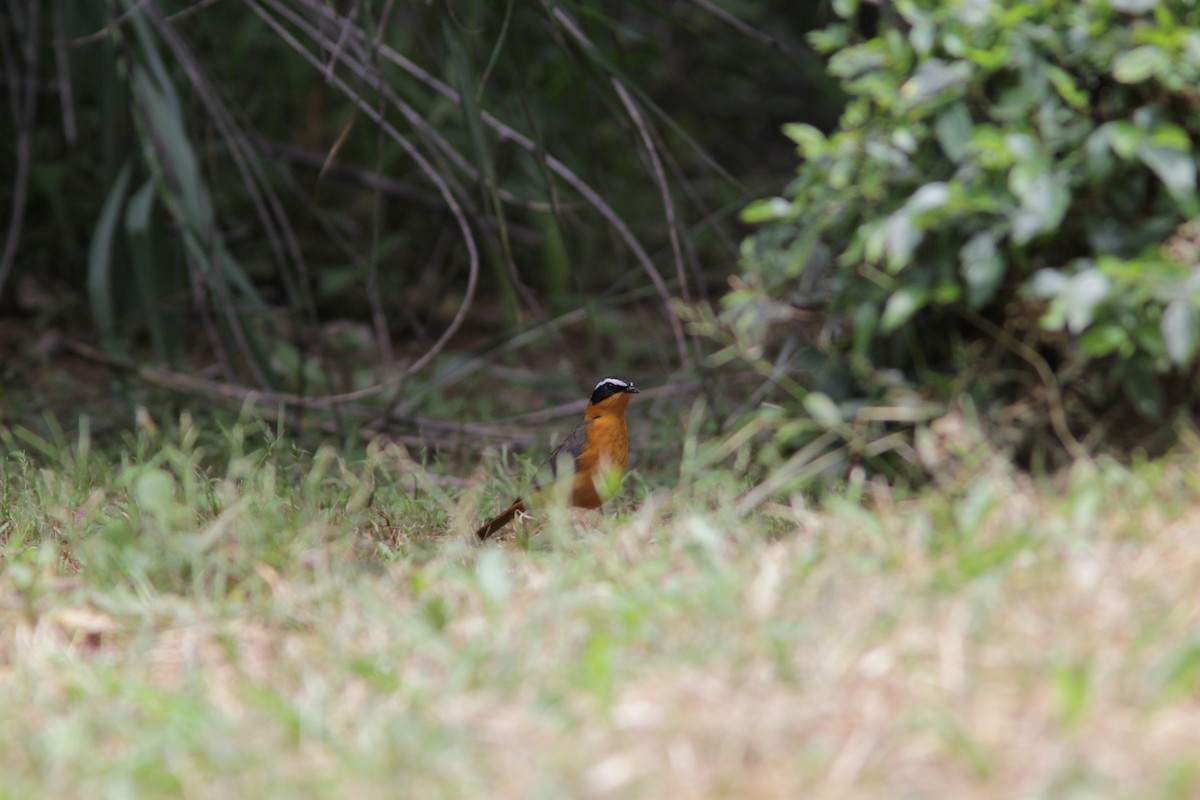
(216, 613)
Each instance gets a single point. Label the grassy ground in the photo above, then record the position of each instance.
(214, 613)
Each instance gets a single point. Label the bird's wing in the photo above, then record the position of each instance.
(571, 446)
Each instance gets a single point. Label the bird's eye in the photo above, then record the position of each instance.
(614, 382)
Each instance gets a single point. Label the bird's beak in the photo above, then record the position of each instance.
(633, 389)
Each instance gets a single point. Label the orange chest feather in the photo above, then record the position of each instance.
(606, 448)
(607, 442)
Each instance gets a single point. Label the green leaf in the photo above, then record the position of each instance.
(1138, 64)
(934, 77)
(972, 511)
(154, 492)
(1067, 88)
(99, 279)
(769, 209)
(1178, 326)
(982, 268)
(866, 320)
(1142, 388)
(1074, 298)
(1044, 198)
(1099, 341)
(138, 217)
(953, 130)
(977, 561)
(1048, 283)
(1072, 689)
(1168, 154)
(1098, 150)
(1134, 6)
(1087, 291)
(823, 410)
(901, 238)
(923, 36)
(901, 306)
(852, 62)
(1182, 677)
(929, 197)
(845, 8)
(1125, 137)
(491, 572)
(809, 140)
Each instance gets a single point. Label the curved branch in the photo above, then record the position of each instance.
(443, 189)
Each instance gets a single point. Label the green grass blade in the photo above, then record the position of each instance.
(100, 258)
(139, 215)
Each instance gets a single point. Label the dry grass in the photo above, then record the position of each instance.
(993, 640)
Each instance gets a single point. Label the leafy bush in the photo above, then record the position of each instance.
(1004, 212)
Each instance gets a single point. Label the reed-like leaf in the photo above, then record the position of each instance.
(100, 258)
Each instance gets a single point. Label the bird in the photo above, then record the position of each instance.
(599, 447)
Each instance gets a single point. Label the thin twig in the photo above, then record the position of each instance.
(66, 94)
(742, 27)
(1058, 417)
(236, 396)
(424, 165)
(510, 134)
(25, 122)
(112, 27)
(358, 65)
(655, 277)
(374, 295)
(664, 189)
(280, 235)
(577, 406)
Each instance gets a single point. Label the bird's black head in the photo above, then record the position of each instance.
(610, 386)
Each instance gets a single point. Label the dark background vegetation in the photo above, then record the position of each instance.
(367, 207)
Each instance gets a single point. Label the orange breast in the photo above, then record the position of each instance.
(605, 452)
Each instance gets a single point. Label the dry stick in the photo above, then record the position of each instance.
(252, 177)
(434, 177)
(488, 179)
(25, 121)
(1058, 418)
(577, 406)
(374, 299)
(507, 133)
(740, 26)
(110, 28)
(280, 235)
(706, 216)
(208, 317)
(804, 464)
(335, 53)
(239, 395)
(369, 75)
(11, 76)
(647, 264)
(470, 367)
(66, 93)
(373, 180)
(365, 74)
(372, 75)
(501, 38)
(660, 178)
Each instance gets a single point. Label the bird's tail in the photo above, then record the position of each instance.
(500, 520)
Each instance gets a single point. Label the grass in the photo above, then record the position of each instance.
(210, 612)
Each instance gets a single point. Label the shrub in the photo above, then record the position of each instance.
(1003, 213)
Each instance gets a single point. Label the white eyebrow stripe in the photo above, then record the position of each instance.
(614, 382)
